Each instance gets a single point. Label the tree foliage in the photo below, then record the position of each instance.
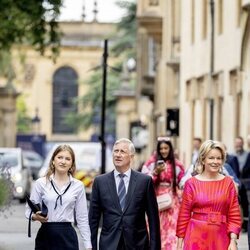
(124, 48)
(6, 187)
(126, 30)
(27, 22)
(5, 63)
(91, 102)
(23, 120)
(31, 22)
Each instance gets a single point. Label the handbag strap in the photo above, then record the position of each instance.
(29, 225)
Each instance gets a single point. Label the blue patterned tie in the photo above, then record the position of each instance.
(122, 191)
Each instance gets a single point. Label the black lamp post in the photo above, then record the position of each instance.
(36, 121)
(104, 83)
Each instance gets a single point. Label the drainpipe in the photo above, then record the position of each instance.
(211, 101)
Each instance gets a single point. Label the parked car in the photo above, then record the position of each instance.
(33, 161)
(13, 160)
(88, 162)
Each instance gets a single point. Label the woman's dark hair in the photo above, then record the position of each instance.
(170, 158)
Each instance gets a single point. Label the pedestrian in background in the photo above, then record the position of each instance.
(243, 157)
(196, 146)
(188, 171)
(166, 172)
(62, 194)
(209, 216)
(232, 160)
(122, 198)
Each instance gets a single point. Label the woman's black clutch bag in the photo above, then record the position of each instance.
(35, 208)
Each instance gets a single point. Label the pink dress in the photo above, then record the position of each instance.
(209, 213)
(168, 218)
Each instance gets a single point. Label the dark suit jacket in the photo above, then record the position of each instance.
(233, 162)
(131, 223)
(245, 174)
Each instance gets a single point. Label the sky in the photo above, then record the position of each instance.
(108, 10)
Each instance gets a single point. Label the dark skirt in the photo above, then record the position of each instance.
(56, 236)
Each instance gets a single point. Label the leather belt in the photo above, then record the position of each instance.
(211, 218)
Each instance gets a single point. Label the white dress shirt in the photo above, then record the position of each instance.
(126, 178)
(74, 198)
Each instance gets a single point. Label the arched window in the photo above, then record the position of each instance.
(65, 89)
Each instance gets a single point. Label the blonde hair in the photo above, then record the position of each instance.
(205, 148)
(60, 148)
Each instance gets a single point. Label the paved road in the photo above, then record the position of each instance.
(243, 243)
(13, 231)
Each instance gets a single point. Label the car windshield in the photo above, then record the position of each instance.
(8, 159)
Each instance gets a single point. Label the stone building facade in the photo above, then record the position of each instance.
(193, 57)
(48, 88)
(158, 63)
(8, 97)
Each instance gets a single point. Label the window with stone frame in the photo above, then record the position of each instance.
(65, 90)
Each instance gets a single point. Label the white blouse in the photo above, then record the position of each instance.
(62, 210)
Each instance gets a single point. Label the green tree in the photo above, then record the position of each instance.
(5, 63)
(6, 187)
(27, 22)
(3, 192)
(125, 40)
(91, 102)
(31, 22)
(124, 48)
(23, 120)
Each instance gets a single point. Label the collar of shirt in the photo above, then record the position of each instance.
(52, 177)
(73, 200)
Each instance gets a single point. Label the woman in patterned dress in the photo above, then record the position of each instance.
(166, 178)
(209, 217)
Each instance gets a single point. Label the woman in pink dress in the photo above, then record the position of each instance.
(166, 178)
(209, 217)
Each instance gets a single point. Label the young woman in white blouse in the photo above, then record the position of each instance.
(62, 194)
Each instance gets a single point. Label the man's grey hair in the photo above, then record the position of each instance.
(130, 144)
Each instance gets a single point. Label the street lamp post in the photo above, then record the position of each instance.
(104, 83)
(36, 121)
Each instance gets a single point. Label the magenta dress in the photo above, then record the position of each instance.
(209, 213)
(168, 218)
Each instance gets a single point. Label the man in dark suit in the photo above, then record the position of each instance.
(244, 171)
(233, 162)
(123, 198)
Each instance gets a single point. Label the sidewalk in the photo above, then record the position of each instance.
(243, 242)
